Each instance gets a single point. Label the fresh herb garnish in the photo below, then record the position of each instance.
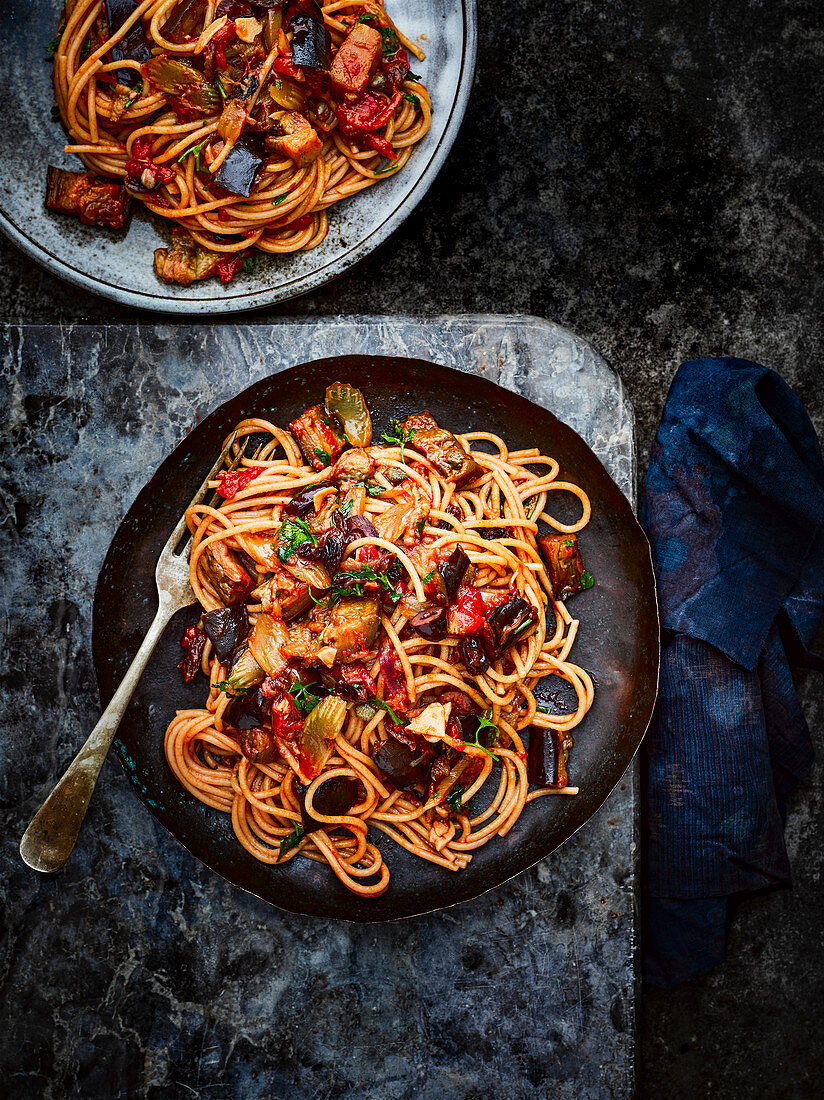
(305, 698)
(279, 200)
(542, 708)
(400, 438)
(225, 685)
(367, 17)
(387, 168)
(292, 534)
(428, 576)
(385, 706)
(390, 42)
(350, 582)
(453, 799)
(484, 723)
(587, 580)
(87, 48)
(134, 99)
(221, 89)
(413, 76)
(567, 542)
(249, 264)
(196, 150)
(375, 490)
(419, 527)
(324, 456)
(291, 841)
(345, 508)
(51, 47)
(413, 99)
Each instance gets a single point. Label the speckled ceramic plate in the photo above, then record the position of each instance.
(118, 265)
(617, 641)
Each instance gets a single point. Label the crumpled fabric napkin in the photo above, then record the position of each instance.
(734, 510)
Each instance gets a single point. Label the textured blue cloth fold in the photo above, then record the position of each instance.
(734, 510)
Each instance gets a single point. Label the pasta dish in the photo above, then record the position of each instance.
(240, 122)
(377, 616)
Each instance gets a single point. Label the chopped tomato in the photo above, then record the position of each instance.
(367, 113)
(380, 145)
(229, 266)
(468, 613)
(232, 483)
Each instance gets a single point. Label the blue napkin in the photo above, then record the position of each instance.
(734, 510)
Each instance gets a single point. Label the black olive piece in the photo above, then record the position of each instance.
(226, 628)
(453, 570)
(249, 710)
(509, 618)
(304, 501)
(430, 624)
(334, 798)
(542, 759)
(399, 764)
(360, 527)
(473, 654)
(241, 168)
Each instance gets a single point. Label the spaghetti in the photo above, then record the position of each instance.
(377, 617)
(240, 123)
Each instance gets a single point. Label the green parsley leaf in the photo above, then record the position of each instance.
(453, 799)
(292, 534)
(225, 685)
(393, 166)
(400, 438)
(385, 706)
(51, 47)
(279, 200)
(428, 576)
(324, 456)
(587, 580)
(390, 43)
(345, 508)
(375, 490)
(419, 526)
(414, 76)
(87, 48)
(350, 582)
(305, 698)
(291, 841)
(367, 17)
(221, 89)
(196, 150)
(541, 708)
(249, 264)
(413, 99)
(484, 723)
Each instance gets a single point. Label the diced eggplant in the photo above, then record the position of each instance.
(329, 548)
(248, 710)
(509, 622)
(186, 22)
(557, 695)
(453, 571)
(185, 83)
(258, 745)
(229, 579)
(94, 200)
(430, 624)
(185, 261)
(401, 765)
(353, 625)
(334, 798)
(239, 172)
(298, 140)
(311, 44)
(226, 628)
(547, 757)
(133, 46)
(314, 742)
(318, 438)
(348, 406)
(246, 672)
(441, 448)
(361, 527)
(563, 564)
(355, 465)
(265, 643)
(356, 60)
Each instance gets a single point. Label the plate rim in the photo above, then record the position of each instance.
(303, 284)
(286, 905)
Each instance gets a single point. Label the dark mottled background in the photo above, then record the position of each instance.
(649, 174)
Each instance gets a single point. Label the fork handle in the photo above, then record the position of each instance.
(51, 836)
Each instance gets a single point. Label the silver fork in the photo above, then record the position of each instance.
(51, 836)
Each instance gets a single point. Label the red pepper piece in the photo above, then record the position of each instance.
(368, 112)
(236, 480)
(194, 642)
(227, 268)
(380, 145)
(142, 160)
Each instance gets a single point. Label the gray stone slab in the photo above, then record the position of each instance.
(136, 971)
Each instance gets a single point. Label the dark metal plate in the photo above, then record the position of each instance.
(617, 641)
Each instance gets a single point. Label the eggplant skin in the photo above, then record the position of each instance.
(441, 448)
(310, 42)
(564, 566)
(133, 46)
(239, 172)
(226, 628)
